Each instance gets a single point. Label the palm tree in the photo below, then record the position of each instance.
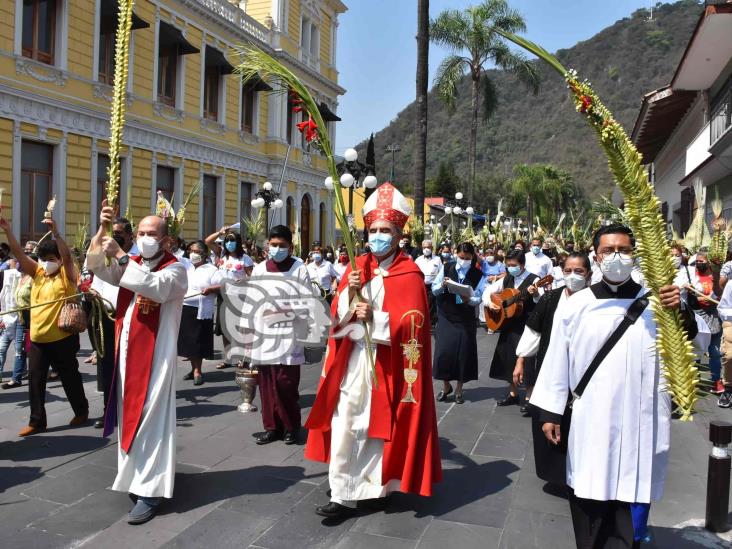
(420, 157)
(545, 190)
(473, 44)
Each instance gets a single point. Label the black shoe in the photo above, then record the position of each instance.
(188, 376)
(442, 395)
(334, 511)
(99, 424)
(290, 438)
(11, 384)
(510, 400)
(525, 410)
(459, 398)
(268, 437)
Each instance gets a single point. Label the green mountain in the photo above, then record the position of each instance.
(624, 61)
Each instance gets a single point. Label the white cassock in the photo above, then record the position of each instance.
(149, 469)
(619, 436)
(355, 466)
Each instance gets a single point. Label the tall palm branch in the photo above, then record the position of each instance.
(472, 38)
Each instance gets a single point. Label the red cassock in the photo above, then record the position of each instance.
(409, 429)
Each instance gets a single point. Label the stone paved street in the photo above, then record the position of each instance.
(54, 488)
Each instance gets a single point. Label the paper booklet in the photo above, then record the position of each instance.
(462, 290)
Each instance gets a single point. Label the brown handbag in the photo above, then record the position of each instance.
(72, 318)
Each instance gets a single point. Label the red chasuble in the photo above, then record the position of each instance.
(409, 429)
(143, 332)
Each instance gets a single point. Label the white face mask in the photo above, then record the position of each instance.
(575, 282)
(195, 258)
(148, 246)
(490, 258)
(463, 263)
(676, 261)
(617, 268)
(427, 252)
(50, 267)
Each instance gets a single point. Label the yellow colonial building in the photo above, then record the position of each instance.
(190, 120)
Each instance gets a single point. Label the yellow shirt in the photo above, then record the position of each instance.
(44, 320)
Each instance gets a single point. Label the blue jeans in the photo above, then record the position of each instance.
(14, 333)
(715, 356)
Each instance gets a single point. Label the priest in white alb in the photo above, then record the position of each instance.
(618, 440)
(152, 286)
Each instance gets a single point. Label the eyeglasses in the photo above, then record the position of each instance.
(609, 252)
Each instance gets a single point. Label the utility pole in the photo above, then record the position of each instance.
(393, 149)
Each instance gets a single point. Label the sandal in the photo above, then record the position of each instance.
(223, 365)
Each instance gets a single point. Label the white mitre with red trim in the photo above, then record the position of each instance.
(388, 204)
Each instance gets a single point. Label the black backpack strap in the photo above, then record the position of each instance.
(631, 315)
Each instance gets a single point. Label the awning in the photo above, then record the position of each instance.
(661, 111)
(215, 58)
(258, 84)
(169, 36)
(327, 114)
(108, 16)
(709, 49)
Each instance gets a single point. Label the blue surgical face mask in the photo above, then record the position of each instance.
(536, 250)
(278, 254)
(446, 255)
(380, 243)
(317, 258)
(514, 271)
(230, 246)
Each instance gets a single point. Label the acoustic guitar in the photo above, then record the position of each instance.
(511, 303)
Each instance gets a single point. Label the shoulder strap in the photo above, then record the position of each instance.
(631, 315)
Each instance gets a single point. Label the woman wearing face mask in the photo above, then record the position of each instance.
(446, 253)
(342, 263)
(322, 272)
(233, 265)
(195, 336)
(54, 276)
(685, 276)
(708, 311)
(576, 275)
(456, 347)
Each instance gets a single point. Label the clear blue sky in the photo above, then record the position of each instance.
(377, 50)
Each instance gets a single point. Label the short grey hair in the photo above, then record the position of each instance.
(427, 242)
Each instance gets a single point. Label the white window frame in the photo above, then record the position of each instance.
(60, 51)
(221, 114)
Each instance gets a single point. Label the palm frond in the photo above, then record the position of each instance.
(449, 29)
(642, 207)
(254, 228)
(448, 76)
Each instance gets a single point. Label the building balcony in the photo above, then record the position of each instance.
(235, 16)
(721, 116)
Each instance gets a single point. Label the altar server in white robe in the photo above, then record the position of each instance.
(619, 436)
(151, 291)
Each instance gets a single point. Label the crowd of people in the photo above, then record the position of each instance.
(553, 307)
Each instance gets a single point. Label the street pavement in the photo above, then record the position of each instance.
(229, 492)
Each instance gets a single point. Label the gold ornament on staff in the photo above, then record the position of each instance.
(412, 354)
(49, 208)
(117, 118)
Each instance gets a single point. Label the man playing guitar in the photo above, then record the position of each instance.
(504, 358)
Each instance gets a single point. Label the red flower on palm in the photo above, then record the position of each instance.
(309, 128)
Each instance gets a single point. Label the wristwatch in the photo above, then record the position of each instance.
(124, 260)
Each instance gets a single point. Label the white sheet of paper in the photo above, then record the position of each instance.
(462, 290)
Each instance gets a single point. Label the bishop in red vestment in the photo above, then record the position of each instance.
(374, 418)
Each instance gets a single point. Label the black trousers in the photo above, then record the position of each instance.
(602, 524)
(105, 365)
(432, 303)
(62, 356)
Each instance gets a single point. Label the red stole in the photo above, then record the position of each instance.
(409, 429)
(143, 332)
